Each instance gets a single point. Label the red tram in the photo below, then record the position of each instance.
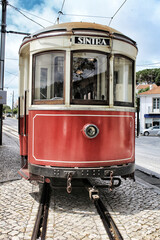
(77, 102)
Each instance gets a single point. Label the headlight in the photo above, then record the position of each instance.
(90, 130)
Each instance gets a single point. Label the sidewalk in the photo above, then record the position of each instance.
(147, 155)
(9, 159)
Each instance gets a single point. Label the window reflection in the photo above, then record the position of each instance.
(123, 79)
(49, 76)
(89, 76)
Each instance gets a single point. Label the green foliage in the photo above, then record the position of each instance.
(149, 76)
(15, 110)
(157, 80)
(6, 109)
(143, 90)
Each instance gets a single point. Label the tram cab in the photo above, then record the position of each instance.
(77, 102)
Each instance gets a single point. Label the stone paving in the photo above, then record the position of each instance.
(73, 216)
(135, 209)
(133, 206)
(18, 205)
(9, 158)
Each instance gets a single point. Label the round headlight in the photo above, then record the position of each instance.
(90, 130)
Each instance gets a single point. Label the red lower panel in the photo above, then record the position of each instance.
(23, 139)
(56, 138)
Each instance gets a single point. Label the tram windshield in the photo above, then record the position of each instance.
(48, 76)
(89, 78)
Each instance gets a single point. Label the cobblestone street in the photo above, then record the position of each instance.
(134, 207)
(9, 159)
(136, 211)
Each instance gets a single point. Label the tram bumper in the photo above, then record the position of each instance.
(125, 170)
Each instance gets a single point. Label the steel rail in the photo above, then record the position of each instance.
(42, 215)
(11, 131)
(109, 224)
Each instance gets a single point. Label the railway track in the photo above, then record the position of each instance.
(40, 227)
(109, 224)
(10, 131)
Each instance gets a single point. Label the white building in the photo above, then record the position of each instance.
(150, 108)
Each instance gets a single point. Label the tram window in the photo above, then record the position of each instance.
(89, 78)
(48, 77)
(123, 81)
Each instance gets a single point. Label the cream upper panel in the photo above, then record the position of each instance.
(124, 48)
(67, 42)
(50, 43)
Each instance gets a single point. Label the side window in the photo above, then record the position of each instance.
(123, 81)
(48, 78)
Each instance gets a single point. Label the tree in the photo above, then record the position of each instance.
(148, 75)
(15, 110)
(6, 109)
(157, 80)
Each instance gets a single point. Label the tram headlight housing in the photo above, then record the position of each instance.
(90, 131)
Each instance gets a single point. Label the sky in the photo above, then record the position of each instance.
(137, 19)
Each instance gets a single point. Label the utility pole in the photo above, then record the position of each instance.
(2, 58)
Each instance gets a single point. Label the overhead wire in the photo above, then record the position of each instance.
(149, 64)
(14, 59)
(116, 12)
(12, 73)
(77, 15)
(25, 15)
(35, 16)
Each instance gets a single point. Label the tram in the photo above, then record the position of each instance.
(77, 103)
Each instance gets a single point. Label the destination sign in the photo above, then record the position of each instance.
(92, 41)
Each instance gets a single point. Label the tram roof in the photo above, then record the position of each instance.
(81, 26)
(71, 27)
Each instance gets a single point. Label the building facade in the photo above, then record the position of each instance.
(149, 108)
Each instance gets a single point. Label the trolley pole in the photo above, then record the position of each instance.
(2, 58)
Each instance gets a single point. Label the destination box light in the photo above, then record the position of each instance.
(3, 97)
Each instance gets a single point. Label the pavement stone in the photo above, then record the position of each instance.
(20, 198)
(73, 216)
(9, 159)
(135, 209)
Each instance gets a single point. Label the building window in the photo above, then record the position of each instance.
(156, 103)
(48, 80)
(89, 84)
(123, 81)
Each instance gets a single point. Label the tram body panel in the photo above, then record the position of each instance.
(56, 138)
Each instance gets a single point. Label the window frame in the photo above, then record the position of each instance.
(156, 103)
(91, 101)
(47, 101)
(120, 103)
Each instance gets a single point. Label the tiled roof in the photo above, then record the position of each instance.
(155, 90)
(143, 86)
